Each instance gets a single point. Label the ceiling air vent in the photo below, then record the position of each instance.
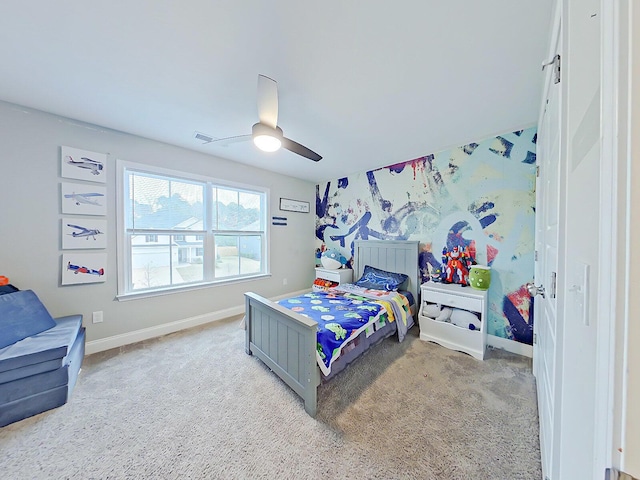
(203, 137)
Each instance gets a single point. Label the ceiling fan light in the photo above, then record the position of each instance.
(267, 138)
(267, 143)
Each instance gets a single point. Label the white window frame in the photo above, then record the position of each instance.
(123, 252)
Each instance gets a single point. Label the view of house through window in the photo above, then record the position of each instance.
(180, 231)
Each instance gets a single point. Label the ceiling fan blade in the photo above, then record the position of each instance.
(300, 150)
(267, 101)
(225, 142)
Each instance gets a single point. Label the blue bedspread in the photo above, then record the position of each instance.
(341, 316)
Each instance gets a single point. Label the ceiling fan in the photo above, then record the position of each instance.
(266, 134)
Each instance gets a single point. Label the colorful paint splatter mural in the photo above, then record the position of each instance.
(480, 196)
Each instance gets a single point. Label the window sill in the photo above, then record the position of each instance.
(123, 297)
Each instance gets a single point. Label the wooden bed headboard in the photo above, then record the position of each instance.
(390, 255)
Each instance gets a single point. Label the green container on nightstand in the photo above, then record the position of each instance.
(480, 277)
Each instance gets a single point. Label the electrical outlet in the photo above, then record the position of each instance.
(98, 317)
(284, 281)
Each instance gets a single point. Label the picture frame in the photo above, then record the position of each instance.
(290, 205)
(83, 164)
(82, 268)
(83, 199)
(83, 233)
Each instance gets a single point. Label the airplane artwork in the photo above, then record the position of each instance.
(82, 268)
(94, 166)
(78, 269)
(85, 198)
(84, 232)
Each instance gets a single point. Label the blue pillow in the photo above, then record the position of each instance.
(22, 315)
(380, 279)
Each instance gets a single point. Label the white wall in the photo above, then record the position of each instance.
(30, 246)
(631, 448)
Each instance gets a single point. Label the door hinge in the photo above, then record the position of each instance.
(535, 338)
(553, 285)
(537, 171)
(535, 255)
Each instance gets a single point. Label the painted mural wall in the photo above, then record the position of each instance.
(480, 196)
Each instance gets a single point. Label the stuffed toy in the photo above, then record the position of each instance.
(465, 319)
(437, 312)
(456, 265)
(332, 259)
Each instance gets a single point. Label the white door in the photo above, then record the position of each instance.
(548, 226)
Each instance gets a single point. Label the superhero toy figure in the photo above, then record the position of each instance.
(456, 265)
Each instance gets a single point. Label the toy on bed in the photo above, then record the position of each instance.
(456, 264)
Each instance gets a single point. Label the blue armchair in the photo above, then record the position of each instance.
(40, 357)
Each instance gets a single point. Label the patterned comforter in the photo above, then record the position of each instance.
(344, 312)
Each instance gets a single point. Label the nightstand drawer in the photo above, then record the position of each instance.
(456, 301)
(341, 275)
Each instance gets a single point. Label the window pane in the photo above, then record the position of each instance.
(150, 262)
(238, 255)
(190, 266)
(249, 217)
(250, 254)
(227, 207)
(163, 203)
(165, 262)
(237, 210)
(227, 258)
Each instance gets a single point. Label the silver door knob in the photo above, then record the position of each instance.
(534, 290)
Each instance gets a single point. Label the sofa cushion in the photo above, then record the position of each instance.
(42, 352)
(22, 315)
(32, 405)
(27, 386)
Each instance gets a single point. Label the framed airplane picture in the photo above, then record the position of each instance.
(83, 199)
(80, 268)
(80, 233)
(83, 164)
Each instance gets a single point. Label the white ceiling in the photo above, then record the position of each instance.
(363, 83)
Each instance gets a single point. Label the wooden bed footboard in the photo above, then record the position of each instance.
(286, 342)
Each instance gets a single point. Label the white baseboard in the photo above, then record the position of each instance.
(510, 346)
(115, 341)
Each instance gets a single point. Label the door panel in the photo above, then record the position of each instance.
(548, 215)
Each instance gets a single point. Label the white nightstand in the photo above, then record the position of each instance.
(473, 342)
(341, 275)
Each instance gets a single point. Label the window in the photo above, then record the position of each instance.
(180, 230)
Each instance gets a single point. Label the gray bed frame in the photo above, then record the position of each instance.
(286, 341)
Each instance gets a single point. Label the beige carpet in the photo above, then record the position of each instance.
(193, 405)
